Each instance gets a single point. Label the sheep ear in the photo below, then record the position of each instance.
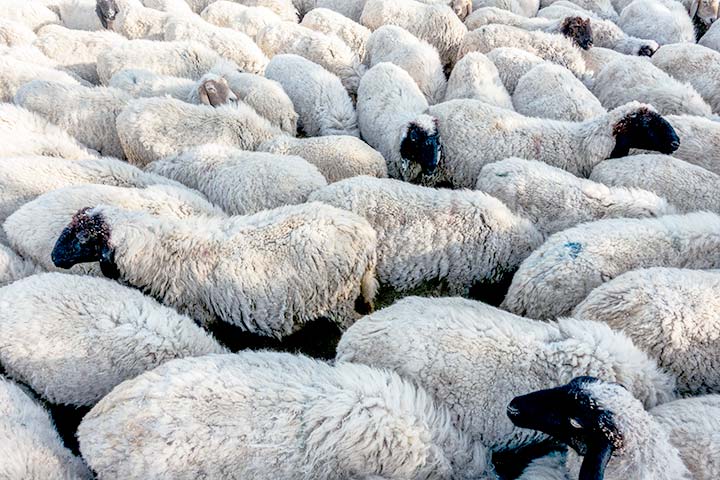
(204, 99)
(595, 461)
(694, 6)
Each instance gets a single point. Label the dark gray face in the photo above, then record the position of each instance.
(421, 147)
(106, 11)
(215, 93)
(86, 239)
(646, 51)
(645, 130)
(570, 415)
(579, 30)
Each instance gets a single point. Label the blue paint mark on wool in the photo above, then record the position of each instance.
(574, 247)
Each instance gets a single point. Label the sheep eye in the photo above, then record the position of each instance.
(575, 424)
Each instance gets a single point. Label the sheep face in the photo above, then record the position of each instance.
(106, 11)
(704, 13)
(572, 414)
(216, 92)
(579, 31)
(648, 50)
(646, 130)
(86, 239)
(421, 150)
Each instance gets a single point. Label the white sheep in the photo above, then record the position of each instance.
(476, 77)
(671, 314)
(473, 134)
(699, 140)
(144, 83)
(322, 103)
(703, 13)
(242, 182)
(25, 133)
(132, 19)
(555, 200)
(34, 227)
(152, 128)
(330, 22)
(551, 47)
(393, 44)
(328, 51)
(249, 20)
(86, 113)
(613, 437)
(391, 114)
(452, 239)
(711, 39)
(256, 268)
(475, 358)
(603, 9)
(14, 73)
(283, 8)
(437, 24)
(267, 415)
(14, 34)
(526, 8)
(688, 187)
(665, 21)
(31, 13)
(13, 266)
(695, 64)
(181, 59)
(551, 91)
(35, 450)
(512, 63)
(73, 338)
(336, 156)
(77, 14)
(598, 58)
(570, 264)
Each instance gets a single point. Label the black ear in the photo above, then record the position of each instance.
(106, 11)
(579, 30)
(645, 130)
(421, 146)
(86, 239)
(596, 461)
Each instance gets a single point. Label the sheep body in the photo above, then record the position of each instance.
(78, 14)
(476, 77)
(330, 22)
(12, 266)
(86, 113)
(555, 200)
(15, 73)
(526, 8)
(669, 313)
(455, 238)
(153, 128)
(457, 348)
(74, 338)
(512, 63)
(322, 103)
(31, 13)
(602, 8)
(699, 140)
(573, 262)
(665, 21)
(144, 83)
(711, 39)
(283, 8)
(249, 20)
(242, 182)
(689, 187)
(14, 33)
(348, 421)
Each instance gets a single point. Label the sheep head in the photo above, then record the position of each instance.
(215, 91)
(86, 239)
(643, 128)
(578, 30)
(704, 13)
(106, 11)
(420, 149)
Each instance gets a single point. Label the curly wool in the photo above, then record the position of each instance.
(474, 359)
(242, 182)
(142, 83)
(249, 20)
(265, 415)
(15, 34)
(511, 63)
(477, 78)
(526, 8)
(554, 200)
(13, 267)
(602, 8)
(31, 13)
(330, 22)
(699, 140)
(570, 264)
(14, 73)
(665, 21)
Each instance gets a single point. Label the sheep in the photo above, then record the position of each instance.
(181, 59)
(15, 34)
(77, 14)
(283, 8)
(152, 128)
(322, 103)
(669, 313)
(34, 448)
(476, 77)
(576, 28)
(699, 140)
(613, 437)
(25, 133)
(455, 238)
(417, 57)
(436, 24)
(260, 263)
(474, 134)
(73, 338)
(573, 262)
(337, 156)
(35, 226)
(553, 48)
(688, 187)
(13, 267)
(555, 200)
(31, 13)
(512, 63)
(242, 182)
(391, 115)
(711, 39)
(228, 43)
(598, 58)
(603, 9)
(475, 358)
(76, 51)
(178, 7)
(249, 20)
(328, 51)
(551, 91)
(353, 9)
(703, 13)
(665, 21)
(334, 422)
(212, 90)
(132, 19)
(14, 73)
(605, 33)
(634, 78)
(143, 83)
(86, 113)
(695, 64)
(526, 8)
(330, 22)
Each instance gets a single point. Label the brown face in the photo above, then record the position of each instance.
(216, 92)
(579, 30)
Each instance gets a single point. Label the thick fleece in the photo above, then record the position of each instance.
(15, 72)
(31, 13)
(330, 22)
(249, 20)
(665, 21)
(476, 77)
(15, 33)
(13, 266)
(512, 63)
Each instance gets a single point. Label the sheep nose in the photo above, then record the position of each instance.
(675, 144)
(512, 411)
